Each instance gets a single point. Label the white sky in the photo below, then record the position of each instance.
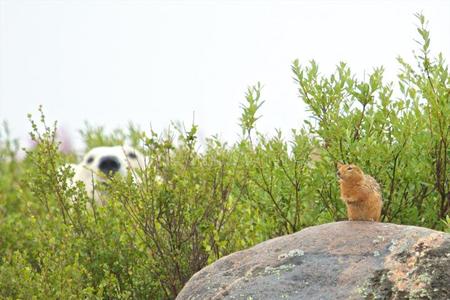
(150, 62)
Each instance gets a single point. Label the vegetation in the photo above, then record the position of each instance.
(196, 204)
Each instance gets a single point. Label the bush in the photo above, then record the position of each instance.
(196, 204)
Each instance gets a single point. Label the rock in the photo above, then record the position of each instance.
(344, 260)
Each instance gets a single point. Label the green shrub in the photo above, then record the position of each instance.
(194, 204)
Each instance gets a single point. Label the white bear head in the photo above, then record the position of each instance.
(102, 162)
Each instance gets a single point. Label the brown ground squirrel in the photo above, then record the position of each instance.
(361, 194)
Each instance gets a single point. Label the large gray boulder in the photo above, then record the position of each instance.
(344, 260)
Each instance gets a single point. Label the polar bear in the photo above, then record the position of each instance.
(102, 162)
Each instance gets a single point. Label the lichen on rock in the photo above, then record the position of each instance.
(344, 260)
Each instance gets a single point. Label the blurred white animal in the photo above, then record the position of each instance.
(102, 162)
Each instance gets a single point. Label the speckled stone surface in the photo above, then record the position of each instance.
(343, 260)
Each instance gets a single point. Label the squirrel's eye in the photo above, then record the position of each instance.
(349, 168)
(132, 155)
(90, 160)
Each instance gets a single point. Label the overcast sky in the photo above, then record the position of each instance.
(150, 62)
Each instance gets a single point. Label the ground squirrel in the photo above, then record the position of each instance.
(361, 194)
